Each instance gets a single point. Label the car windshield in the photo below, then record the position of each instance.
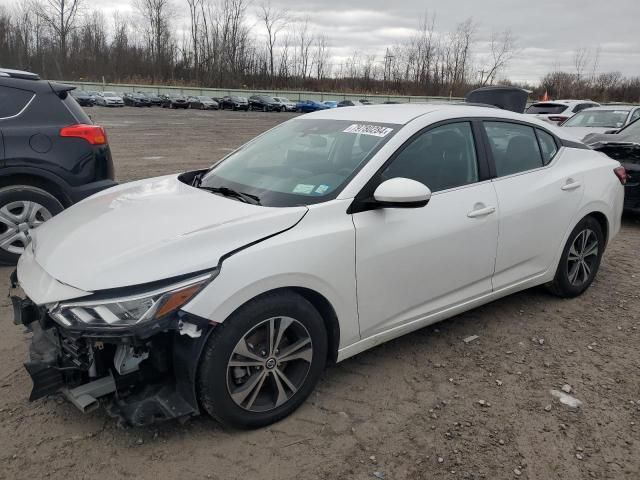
(300, 162)
(631, 132)
(238, 99)
(268, 99)
(109, 94)
(207, 99)
(546, 108)
(598, 118)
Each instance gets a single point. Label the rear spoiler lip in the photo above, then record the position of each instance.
(61, 89)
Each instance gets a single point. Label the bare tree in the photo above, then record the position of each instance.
(502, 50)
(305, 40)
(155, 14)
(274, 21)
(61, 17)
(581, 61)
(195, 16)
(321, 57)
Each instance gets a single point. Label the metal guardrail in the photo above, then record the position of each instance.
(292, 95)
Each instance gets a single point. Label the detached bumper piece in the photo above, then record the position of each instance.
(140, 380)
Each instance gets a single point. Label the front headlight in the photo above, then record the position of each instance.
(130, 310)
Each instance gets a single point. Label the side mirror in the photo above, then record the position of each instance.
(402, 193)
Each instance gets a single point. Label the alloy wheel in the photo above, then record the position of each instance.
(582, 257)
(16, 219)
(269, 364)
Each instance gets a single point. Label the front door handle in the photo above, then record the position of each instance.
(481, 212)
(570, 185)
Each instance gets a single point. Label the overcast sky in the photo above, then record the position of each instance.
(548, 32)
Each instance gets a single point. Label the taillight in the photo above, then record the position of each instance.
(558, 118)
(93, 134)
(621, 173)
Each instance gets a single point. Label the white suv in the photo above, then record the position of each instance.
(558, 111)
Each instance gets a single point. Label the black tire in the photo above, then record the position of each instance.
(24, 193)
(568, 282)
(213, 375)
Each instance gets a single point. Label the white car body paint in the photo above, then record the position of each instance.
(383, 273)
(150, 230)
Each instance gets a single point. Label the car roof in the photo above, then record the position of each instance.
(405, 113)
(9, 72)
(563, 102)
(627, 108)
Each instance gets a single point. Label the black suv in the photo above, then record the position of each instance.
(51, 156)
(233, 102)
(174, 100)
(264, 103)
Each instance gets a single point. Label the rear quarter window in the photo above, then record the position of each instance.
(76, 110)
(13, 100)
(548, 146)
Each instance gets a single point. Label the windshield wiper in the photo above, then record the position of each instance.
(229, 192)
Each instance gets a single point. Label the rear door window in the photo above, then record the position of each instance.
(514, 147)
(546, 108)
(13, 100)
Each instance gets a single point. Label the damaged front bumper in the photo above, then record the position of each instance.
(142, 375)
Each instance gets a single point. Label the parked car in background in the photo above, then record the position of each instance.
(307, 106)
(606, 119)
(331, 103)
(558, 111)
(624, 146)
(202, 102)
(228, 290)
(109, 99)
(154, 99)
(233, 102)
(174, 100)
(264, 103)
(287, 105)
(53, 156)
(93, 94)
(83, 98)
(364, 101)
(350, 103)
(136, 100)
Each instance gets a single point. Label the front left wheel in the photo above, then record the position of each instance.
(260, 364)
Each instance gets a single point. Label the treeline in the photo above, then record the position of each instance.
(235, 44)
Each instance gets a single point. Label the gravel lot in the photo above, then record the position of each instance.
(425, 406)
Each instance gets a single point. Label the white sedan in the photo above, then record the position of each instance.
(228, 290)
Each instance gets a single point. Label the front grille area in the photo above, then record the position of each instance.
(75, 352)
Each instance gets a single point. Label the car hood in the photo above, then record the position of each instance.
(150, 230)
(581, 132)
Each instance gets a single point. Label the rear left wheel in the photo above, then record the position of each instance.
(22, 208)
(580, 259)
(262, 362)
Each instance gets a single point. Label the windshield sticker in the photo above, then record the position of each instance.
(302, 188)
(322, 189)
(374, 130)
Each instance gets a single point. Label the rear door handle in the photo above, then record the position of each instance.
(481, 212)
(571, 185)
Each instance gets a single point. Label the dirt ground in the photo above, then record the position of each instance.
(425, 406)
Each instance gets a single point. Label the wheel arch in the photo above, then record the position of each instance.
(324, 308)
(601, 218)
(36, 179)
